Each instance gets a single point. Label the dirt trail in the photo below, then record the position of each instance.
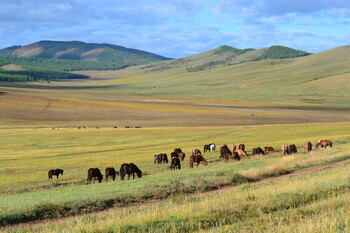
(152, 202)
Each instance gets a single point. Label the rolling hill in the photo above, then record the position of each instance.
(76, 55)
(226, 56)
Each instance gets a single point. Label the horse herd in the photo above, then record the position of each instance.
(95, 173)
(177, 156)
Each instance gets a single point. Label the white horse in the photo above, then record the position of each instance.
(212, 147)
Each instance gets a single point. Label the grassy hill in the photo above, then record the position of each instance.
(76, 55)
(226, 56)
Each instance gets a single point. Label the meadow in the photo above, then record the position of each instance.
(261, 103)
(29, 195)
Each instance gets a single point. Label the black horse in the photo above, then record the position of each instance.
(55, 172)
(94, 172)
(175, 164)
(129, 168)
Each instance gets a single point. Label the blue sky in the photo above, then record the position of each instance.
(179, 28)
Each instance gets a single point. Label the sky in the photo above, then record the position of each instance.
(179, 28)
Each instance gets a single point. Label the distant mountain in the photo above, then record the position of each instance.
(225, 56)
(76, 50)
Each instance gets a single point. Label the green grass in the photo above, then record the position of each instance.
(26, 197)
(289, 205)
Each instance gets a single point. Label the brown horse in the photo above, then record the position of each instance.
(307, 146)
(234, 147)
(225, 153)
(175, 164)
(197, 159)
(182, 156)
(55, 172)
(269, 149)
(94, 172)
(241, 146)
(324, 143)
(161, 158)
(206, 148)
(110, 171)
(129, 168)
(257, 151)
(235, 156)
(241, 153)
(285, 149)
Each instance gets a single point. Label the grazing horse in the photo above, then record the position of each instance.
(324, 143)
(226, 153)
(161, 158)
(212, 147)
(94, 172)
(222, 150)
(197, 159)
(129, 168)
(257, 151)
(241, 153)
(234, 147)
(307, 146)
(196, 151)
(241, 146)
(206, 148)
(177, 150)
(182, 156)
(269, 149)
(55, 172)
(235, 156)
(97, 127)
(285, 149)
(292, 149)
(110, 171)
(175, 164)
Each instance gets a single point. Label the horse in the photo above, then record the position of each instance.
(182, 156)
(257, 151)
(241, 146)
(223, 149)
(129, 168)
(196, 151)
(234, 147)
(197, 159)
(307, 146)
(206, 148)
(177, 150)
(269, 149)
(241, 153)
(55, 172)
(161, 158)
(94, 172)
(175, 164)
(174, 155)
(292, 149)
(235, 156)
(324, 143)
(97, 127)
(225, 153)
(110, 171)
(285, 149)
(212, 147)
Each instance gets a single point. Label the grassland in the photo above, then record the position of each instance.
(28, 195)
(285, 205)
(285, 91)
